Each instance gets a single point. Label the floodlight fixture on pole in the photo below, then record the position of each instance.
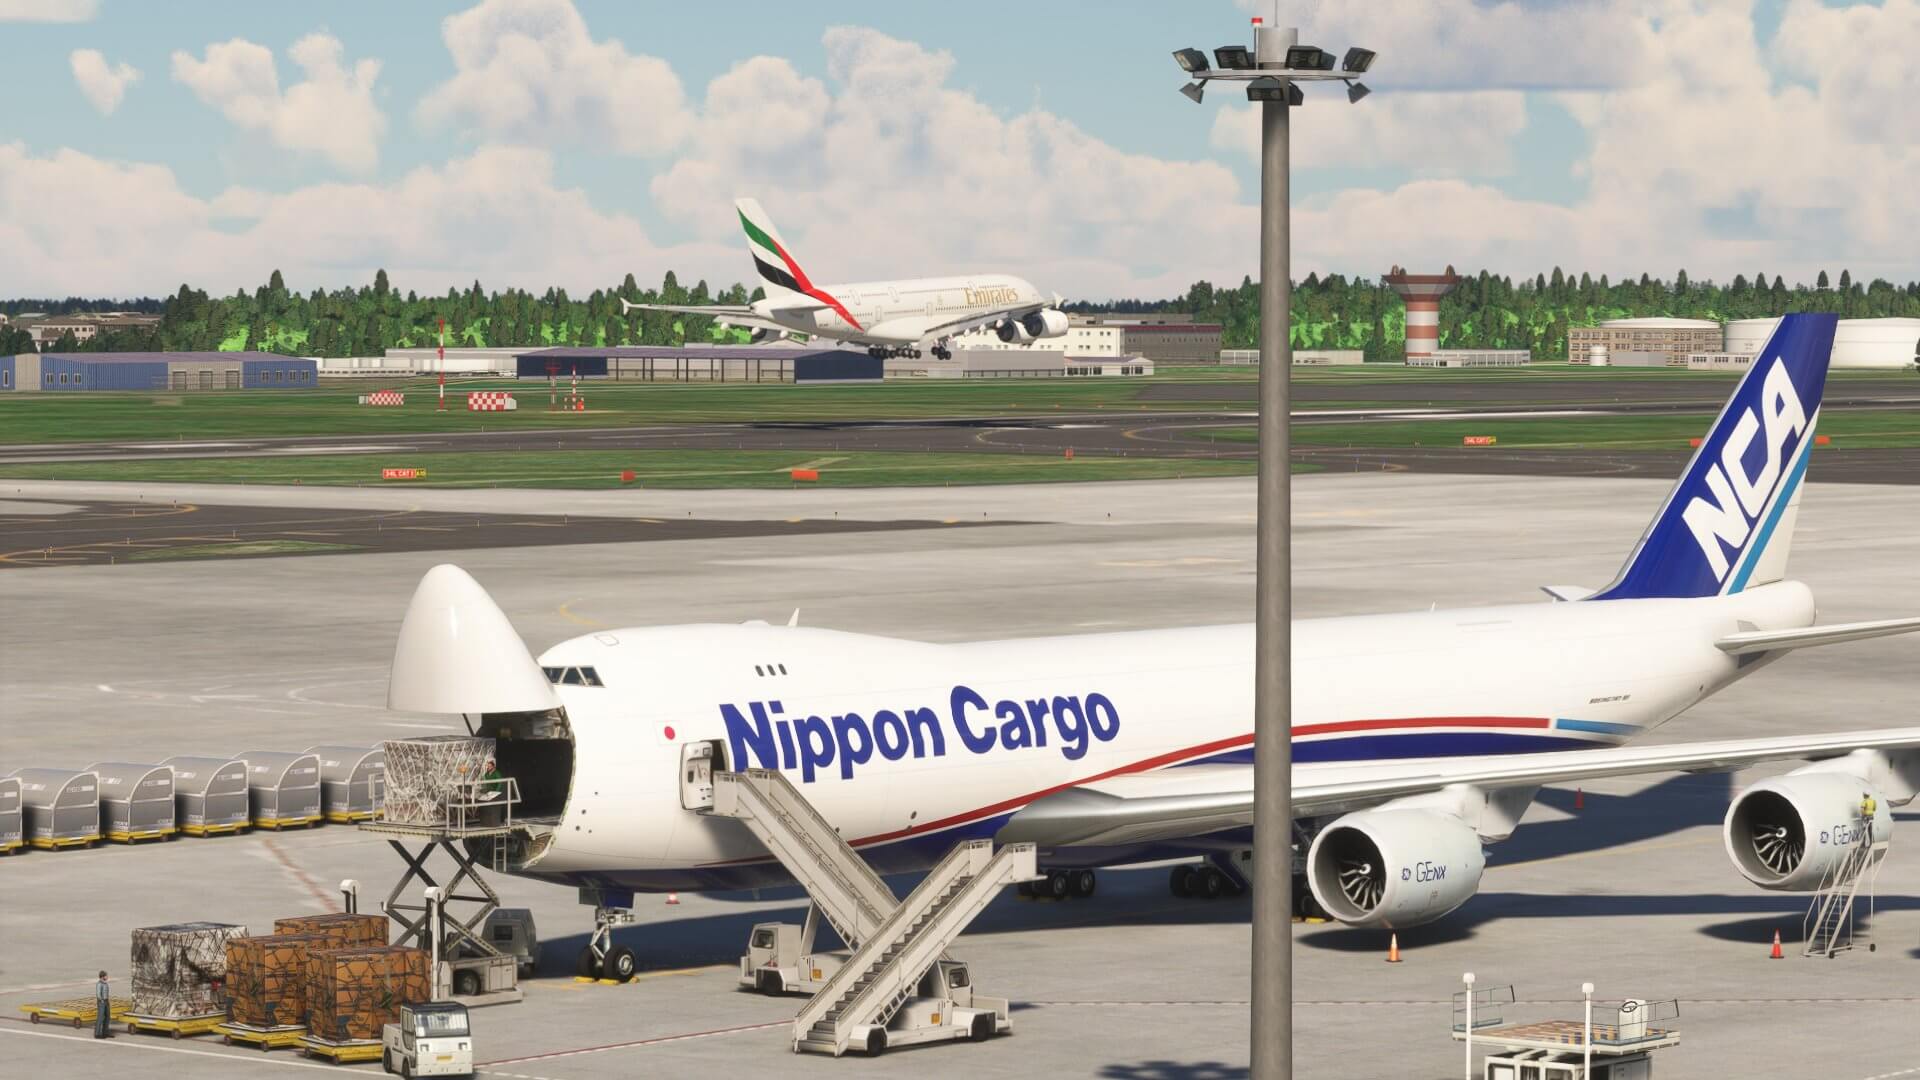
(1273, 71)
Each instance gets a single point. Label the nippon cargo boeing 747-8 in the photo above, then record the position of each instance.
(889, 318)
(1418, 737)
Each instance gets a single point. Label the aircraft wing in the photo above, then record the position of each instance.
(725, 314)
(1193, 801)
(954, 327)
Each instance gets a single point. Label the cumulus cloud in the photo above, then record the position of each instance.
(884, 169)
(497, 215)
(101, 83)
(1468, 133)
(330, 113)
(1481, 44)
(51, 11)
(528, 71)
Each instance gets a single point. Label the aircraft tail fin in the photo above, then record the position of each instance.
(778, 269)
(1728, 523)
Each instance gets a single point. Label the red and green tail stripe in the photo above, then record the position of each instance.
(789, 275)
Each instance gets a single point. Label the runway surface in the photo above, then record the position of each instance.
(48, 533)
(1632, 891)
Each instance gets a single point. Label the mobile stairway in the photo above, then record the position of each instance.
(898, 987)
(1836, 920)
(844, 889)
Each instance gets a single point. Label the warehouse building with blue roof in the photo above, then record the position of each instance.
(69, 372)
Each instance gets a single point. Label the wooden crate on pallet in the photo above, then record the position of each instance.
(353, 993)
(267, 978)
(342, 931)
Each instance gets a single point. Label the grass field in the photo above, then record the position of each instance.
(332, 409)
(653, 468)
(1669, 431)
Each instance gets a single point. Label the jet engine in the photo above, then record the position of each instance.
(1014, 332)
(1394, 868)
(1045, 323)
(1791, 831)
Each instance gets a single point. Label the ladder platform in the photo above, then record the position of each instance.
(1571, 1034)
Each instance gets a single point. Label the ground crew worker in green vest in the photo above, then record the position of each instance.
(102, 1009)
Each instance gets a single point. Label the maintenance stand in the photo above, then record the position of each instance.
(1624, 1040)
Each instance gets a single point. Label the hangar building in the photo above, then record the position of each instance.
(1857, 343)
(54, 372)
(697, 363)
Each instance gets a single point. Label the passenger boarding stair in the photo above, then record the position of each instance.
(1834, 923)
(884, 971)
(843, 887)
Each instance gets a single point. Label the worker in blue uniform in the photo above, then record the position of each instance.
(102, 1009)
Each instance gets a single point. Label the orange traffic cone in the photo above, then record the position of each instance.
(1393, 949)
(673, 898)
(1776, 954)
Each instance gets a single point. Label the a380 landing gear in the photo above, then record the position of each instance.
(885, 352)
(1061, 885)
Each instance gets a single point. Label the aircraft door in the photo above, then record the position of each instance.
(698, 760)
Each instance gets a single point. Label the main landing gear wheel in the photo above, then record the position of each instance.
(1082, 882)
(621, 965)
(1056, 885)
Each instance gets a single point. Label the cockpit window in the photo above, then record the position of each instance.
(573, 676)
(553, 674)
(590, 677)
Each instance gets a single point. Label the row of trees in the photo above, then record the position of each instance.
(1335, 311)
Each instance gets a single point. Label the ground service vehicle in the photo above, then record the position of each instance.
(780, 960)
(431, 1039)
(943, 1008)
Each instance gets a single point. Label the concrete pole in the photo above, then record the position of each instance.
(1272, 1027)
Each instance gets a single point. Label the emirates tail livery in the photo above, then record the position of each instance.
(890, 318)
(1419, 737)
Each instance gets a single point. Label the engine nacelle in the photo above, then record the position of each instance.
(1394, 867)
(1789, 832)
(1014, 332)
(1045, 323)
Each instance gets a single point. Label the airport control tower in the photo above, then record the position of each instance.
(1422, 293)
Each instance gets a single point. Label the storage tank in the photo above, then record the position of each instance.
(61, 808)
(353, 781)
(12, 831)
(136, 801)
(283, 789)
(1890, 344)
(209, 795)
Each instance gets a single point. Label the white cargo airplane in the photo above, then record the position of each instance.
(890, 318)
(1419, 736)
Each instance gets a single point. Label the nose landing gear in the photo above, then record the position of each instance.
(601, 958)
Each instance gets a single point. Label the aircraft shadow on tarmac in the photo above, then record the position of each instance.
(1125, 897)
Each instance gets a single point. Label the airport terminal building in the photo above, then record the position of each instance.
(71, 372)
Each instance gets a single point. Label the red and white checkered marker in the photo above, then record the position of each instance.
(673, 898)
(384, 397)
(490, 401)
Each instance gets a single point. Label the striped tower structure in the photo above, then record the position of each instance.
(1422, 293)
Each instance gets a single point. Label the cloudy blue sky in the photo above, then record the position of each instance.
(536, 142)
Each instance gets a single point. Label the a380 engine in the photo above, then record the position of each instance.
(1045, 323)
(1394, 867)
(1791, 831)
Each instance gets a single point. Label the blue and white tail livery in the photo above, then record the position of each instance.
(1728, 523)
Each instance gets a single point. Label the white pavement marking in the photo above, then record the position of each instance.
(637, 1043)
(128, 1042)
(1889, 1076)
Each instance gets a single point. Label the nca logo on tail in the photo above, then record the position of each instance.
(1739, 495)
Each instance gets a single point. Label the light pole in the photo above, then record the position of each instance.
(1468, 979)
(1272, 69)
(1586, 1043)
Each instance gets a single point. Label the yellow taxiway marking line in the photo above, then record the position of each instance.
(566, 612)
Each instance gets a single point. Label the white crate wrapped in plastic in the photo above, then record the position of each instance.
(422, 774)
(178, 970)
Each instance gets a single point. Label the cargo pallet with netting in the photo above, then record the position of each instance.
(75, 1011)
(347, 1052)
(440, 800)
(180, 971)
(264, 1038)
(177, 1026)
